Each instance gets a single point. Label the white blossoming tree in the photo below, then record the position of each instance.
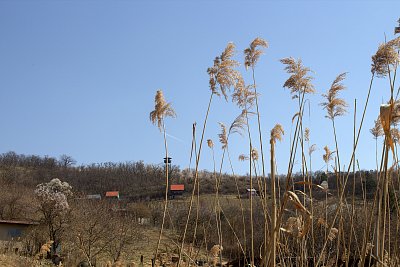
(53, 206)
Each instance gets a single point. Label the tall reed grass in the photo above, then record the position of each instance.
(296, 227)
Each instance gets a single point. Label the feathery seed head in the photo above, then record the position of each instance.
(377, 130)
(223, 74)
(299, 80)
(312, 149)
(307, 134)
(335, 106)
(161, 110)
(254, 154)
(210, 143)
(276, 133)
(252, 54)
(328, 155)
(239, 124)
(243, 157)
(243, 94)
(223, 138)
(395, 135)
(386, 58)
(333, 233)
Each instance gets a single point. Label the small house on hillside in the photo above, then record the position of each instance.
(94, 197)
(251, 192)
(10, 233)
(176, 190)
(112, 195)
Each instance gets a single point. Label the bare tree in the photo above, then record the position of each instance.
(90, 229)
(66, 161)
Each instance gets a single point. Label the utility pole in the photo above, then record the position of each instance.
(167, 161)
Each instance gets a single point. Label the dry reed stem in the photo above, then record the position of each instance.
(162, 110)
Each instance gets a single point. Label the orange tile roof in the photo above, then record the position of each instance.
(112, 194)
(177, 187)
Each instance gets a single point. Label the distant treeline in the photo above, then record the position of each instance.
(138, 180)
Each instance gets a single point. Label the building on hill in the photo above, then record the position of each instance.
(10, 233)
(94, 197)
(113, 199)
(176, 190)
(251, 192)
(112, 195)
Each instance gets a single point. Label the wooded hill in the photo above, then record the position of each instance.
(136, 179)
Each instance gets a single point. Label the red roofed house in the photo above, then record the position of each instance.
(112, 194)
(176, 190)
(113, 199)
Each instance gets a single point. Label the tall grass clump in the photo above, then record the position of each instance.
(310, 218)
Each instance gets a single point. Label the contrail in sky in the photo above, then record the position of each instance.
(176, 138)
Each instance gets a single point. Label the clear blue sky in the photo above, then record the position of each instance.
(79, 77)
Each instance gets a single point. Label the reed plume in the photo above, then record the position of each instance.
(386, 58)
(254, 154)
(306, 134)
(239, 124)
(328, 155)
(277, 132)
(299, 80)
(395, 135)
(377, 130)
(223, 138)
(243, 157)
(223, 74)
(161, 110)
(335, 106)
(252, 54)
(312, 149)
(210, 143)
(243, 96)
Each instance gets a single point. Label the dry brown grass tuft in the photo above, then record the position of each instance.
(292, 226)
(44, 249)
(333, 234)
